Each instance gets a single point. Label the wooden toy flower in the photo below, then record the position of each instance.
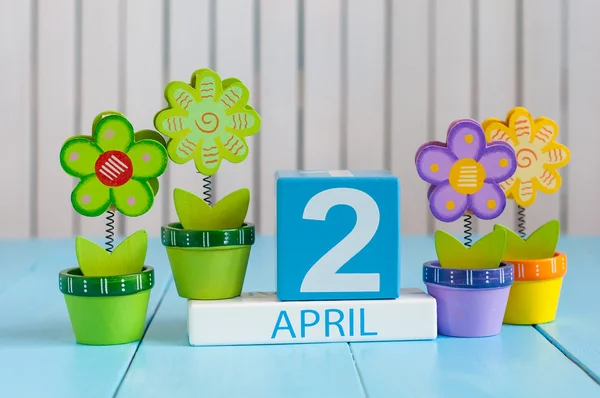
(207, 121)
(465, 172)
(116, 167)
(538, 154)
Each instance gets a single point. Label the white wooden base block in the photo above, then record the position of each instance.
(260, 318)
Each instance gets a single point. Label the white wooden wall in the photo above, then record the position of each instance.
(338, 83)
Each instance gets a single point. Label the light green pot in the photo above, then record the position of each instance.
(107, 310)
(208, 265)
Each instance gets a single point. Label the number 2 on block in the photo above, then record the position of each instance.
(322, 276)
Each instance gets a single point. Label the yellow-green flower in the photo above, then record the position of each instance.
(207, 121)
(116, 167)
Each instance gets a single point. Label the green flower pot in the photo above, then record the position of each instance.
(107, 310)
(208, 265)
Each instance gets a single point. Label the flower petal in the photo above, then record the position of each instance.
(180, 95)
(499, 162)
(235, 96)
(434, 163)
(466, 139)
(232, 147)
(446, 204)
(430, 191)
(489, 202)
(149, 159)
(90, 197)
(545, 131)
(208, 160)
(243, 123)
(181, 150)
(208, 84)
(113, 132)
(507, 186)
(556, 155)
(498, 133)
(133, 198)
(172, 122)
(548, 181)
(522, 124)
(524, 192)
(426, 145)
(79, 155)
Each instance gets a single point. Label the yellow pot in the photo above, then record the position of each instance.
(535, 293)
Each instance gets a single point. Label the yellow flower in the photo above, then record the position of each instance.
(538, 155)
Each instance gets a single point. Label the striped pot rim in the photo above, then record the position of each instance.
(175, 236)
(541, 269)
(72, 282)
(489, 278)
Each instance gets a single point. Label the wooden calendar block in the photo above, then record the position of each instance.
(261, 318)
(338, 235)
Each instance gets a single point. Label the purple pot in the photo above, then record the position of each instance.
(470, 302)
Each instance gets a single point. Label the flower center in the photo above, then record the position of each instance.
(467, 176)
(114, 168)
(527, 162)
(208, 123)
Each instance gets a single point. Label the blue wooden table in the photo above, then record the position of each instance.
(39, 356)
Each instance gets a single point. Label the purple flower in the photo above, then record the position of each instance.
(465, 172)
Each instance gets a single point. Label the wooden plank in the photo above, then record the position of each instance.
(235, 58)
(518, 362)
(322, 85)
(365, 98)
(584, 101)
(16, 104)
(456, 367)
(55, 117)
(144, 87)
(166, 365)
(278, 100)
(541, 86)
(100, 71)
(19, 259)
(575, 330)
(453, 69)
(496, 94)
(410, 105)
(188, 51)
(39, 335)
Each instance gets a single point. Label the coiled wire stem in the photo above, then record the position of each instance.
(207, 189)
(521, 221)
(468, 229)
(110, 228)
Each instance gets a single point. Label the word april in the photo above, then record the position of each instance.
(331, 322)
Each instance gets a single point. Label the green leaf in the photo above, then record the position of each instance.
(539, 245)
(92, 258)
(127, 258)
(485, 253)
(194, 213)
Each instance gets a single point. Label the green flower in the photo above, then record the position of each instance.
(116, 167)
(207, 121)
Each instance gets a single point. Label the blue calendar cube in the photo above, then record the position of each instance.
(338, 235)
